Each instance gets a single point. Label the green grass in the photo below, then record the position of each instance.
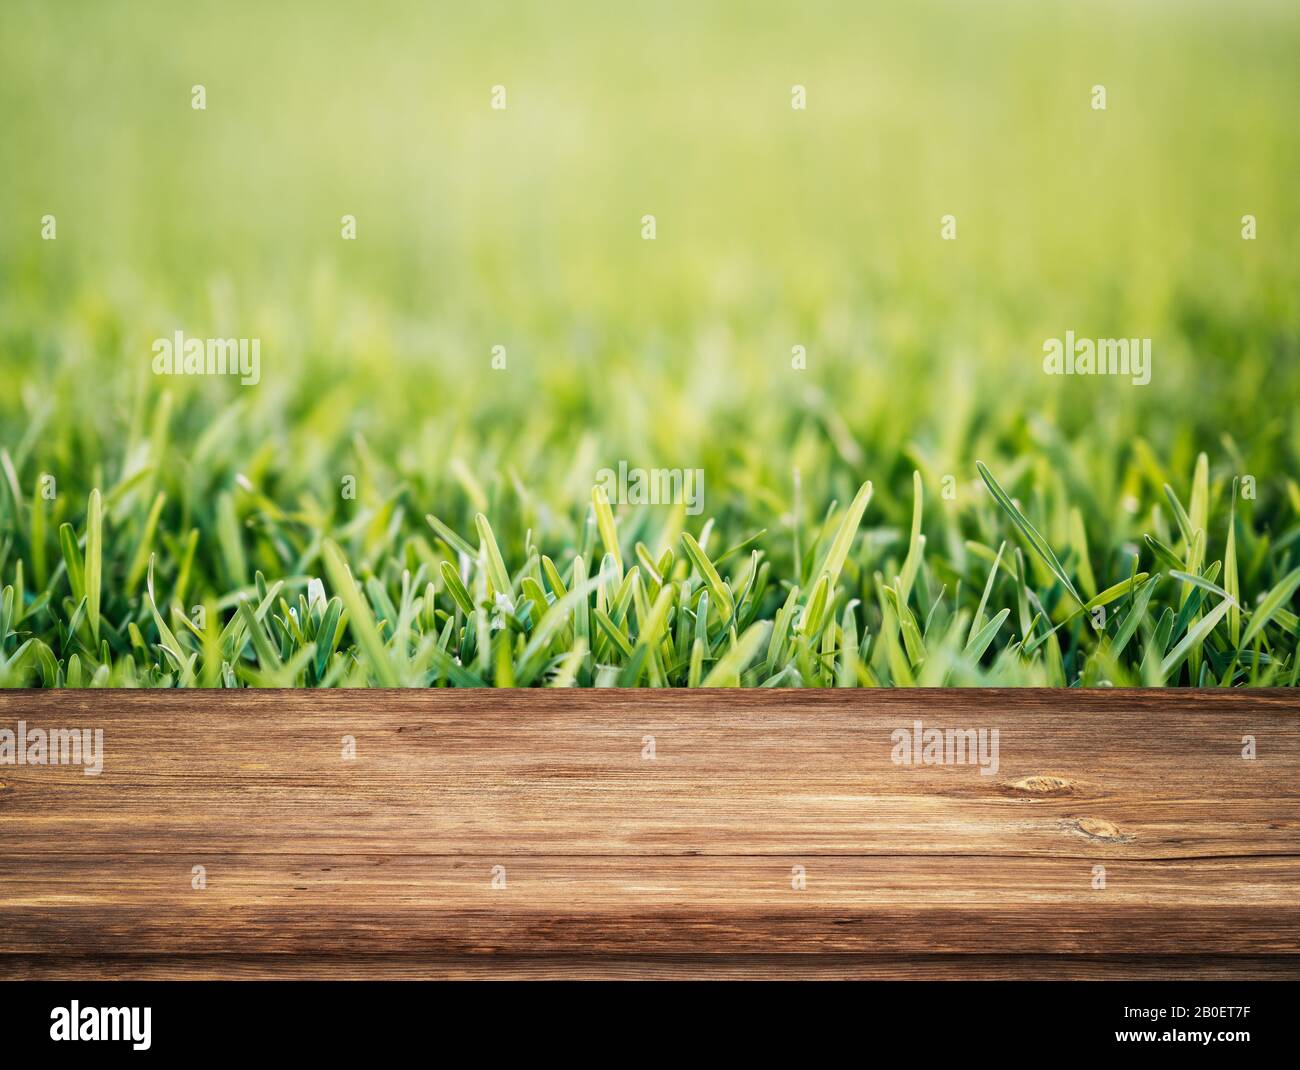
(920, 506)
(860, 607)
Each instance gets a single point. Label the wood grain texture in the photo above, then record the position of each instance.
(799, 967)
(617, 865)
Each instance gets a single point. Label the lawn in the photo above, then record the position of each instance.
(823, 331)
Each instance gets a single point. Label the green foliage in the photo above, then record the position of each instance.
(385, 507)
(390, 607)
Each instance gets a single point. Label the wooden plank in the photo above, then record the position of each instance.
(293, 904)
(798, 967)
(611, 854)
(458, 772)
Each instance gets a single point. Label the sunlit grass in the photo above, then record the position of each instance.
(387, 507)
(399, 608)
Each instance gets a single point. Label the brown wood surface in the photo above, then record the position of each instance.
(620, 866)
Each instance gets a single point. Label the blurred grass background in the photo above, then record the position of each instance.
(521, 228)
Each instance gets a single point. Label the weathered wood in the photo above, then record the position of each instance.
(801, 967)
(658, 866)
(658, 905)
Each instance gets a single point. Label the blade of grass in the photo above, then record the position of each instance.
(1193, 639)
(605, 525)
(979, 643)
(360, 618)
(1231, 581)
(1035, 540)
(843, 541)
(726, 673)
(1270, 605)
(709, 575)
(94, 561)
(497, 573)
